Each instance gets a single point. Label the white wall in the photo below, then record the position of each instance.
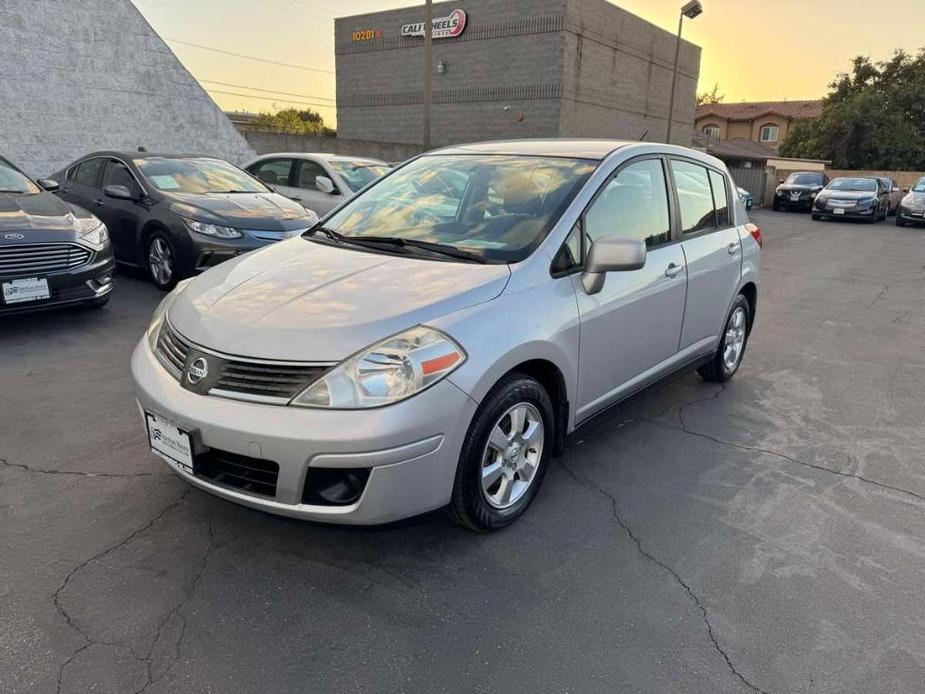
(79, 76)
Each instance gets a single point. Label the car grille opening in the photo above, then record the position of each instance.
(251, 475)
(268, 382)
(334, 486)
(41, 258)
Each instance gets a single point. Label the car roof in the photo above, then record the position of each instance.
(326, 156)
(587, 148)
(145, 155)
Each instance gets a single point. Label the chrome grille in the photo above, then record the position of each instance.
(268, 382)
(41, 258)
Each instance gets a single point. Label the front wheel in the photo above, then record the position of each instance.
(899, 221)
(161, 260)
(815, 217)
(505, 455)
(728, 357)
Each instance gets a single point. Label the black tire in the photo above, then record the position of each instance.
(469, 506)
(165, 280)
(716, 369)
(899, 221)
(775, 206)
(875, 217)
(815, 217)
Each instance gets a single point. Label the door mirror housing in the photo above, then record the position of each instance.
(48, 184)
(119, 193)
(325, 185)
(611, 254)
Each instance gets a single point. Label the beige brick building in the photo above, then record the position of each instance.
(765, 122)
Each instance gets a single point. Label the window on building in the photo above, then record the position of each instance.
(769, 133)
(88, 173)
(633, 205)
(695, 196)
(711, 131)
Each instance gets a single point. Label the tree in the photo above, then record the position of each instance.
(291, 120)
(711, 97)
(872, 118)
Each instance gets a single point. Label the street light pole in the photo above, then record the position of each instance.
(428, 69)
(692, 9)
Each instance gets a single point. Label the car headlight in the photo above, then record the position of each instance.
(386, 373)
(92, 231)
(210, 229)
(160, 313)
(908, 200)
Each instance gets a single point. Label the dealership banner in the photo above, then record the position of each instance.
(443, 27)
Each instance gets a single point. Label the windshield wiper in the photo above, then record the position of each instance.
(330, 233)
(437, 248)
(10, 190)
(229, 192)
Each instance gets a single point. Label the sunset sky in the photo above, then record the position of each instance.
(754, 49)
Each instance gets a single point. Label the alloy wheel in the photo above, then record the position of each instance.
(160, 260)
(734, 343)
(512, 455)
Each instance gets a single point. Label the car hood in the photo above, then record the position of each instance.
(302, 300)
(259, 211)
(916, 199)
(40, 217)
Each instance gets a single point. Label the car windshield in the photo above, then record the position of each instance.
(804, 179)
(857, 184)
(12, 181)
(498, 207)
(919, 186)
(198, 175)
(357, 173)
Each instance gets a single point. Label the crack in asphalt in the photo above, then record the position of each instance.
(889, 285)
(149, 658)
(79, 473)
(592, 486)
(90, 641)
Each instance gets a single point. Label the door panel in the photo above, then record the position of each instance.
(714, 266)
(312, 198)
(632, 325)
(83, 186)
(120, 216)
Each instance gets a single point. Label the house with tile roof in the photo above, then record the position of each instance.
(764, 122)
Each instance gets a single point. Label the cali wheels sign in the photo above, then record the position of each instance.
(443, 27)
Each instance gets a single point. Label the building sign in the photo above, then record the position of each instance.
(366, 35)
(443, 27)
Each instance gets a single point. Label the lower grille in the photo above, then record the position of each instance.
(41, 258)
(250, 475)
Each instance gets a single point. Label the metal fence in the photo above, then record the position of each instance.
(754, 180)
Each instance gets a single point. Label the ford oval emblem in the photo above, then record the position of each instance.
(197, 371)
(13, 237)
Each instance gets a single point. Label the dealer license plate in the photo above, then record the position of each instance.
(795, 197)
(170, 442)
(29, 289)
(839, 210)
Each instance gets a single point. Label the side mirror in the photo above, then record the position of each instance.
(611, 254)
(118, 192)
(48, 184)
(780, 180)
(325, 184)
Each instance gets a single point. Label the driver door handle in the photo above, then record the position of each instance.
(673, 270)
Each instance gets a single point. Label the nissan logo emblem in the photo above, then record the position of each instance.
(197, 371)
(13, 237)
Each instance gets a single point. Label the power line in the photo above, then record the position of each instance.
(269, 98)
(249, 57)
(267, 91)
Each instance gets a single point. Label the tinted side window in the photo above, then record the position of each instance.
(274, 172)
(307, 172)
(117, 174)
(720, 201)
(633, 205)
(695, 197)
(88, 172)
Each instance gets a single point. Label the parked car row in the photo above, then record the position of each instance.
(170, 215)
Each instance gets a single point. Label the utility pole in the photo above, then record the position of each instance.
(428, 69)
(692, 9)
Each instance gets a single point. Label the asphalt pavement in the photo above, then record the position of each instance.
(764, 536)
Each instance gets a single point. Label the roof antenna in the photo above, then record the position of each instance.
(642, 137)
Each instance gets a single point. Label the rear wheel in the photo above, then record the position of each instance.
(728, 357)
(505, 455)
(161, 260)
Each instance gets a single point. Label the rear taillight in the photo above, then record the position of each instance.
(755, 232)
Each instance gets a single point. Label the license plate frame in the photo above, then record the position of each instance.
(25, 290)
(170, 442)
(794, 197)
(838, 210)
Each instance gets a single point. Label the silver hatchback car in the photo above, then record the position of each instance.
(433, 340)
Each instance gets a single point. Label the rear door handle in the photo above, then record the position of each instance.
(673, 270)
(732, 248)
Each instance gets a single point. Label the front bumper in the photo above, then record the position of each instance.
(911, 216)
(411, 448)
(785, 202)
(69, 287)
(849, 212)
